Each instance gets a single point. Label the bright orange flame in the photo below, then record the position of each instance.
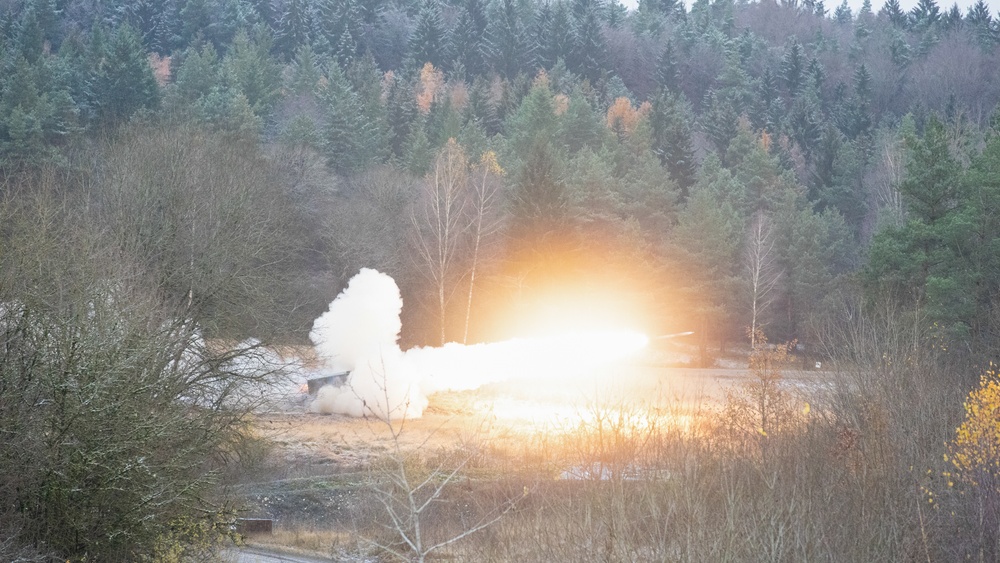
(558, 358)
(563, 366)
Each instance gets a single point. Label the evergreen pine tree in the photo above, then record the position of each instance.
(866, 9)
(429, 41)
(29, 33)
(123, 81)
(341, 112)
(293, 28)
(346, 32)
(418, 151)
(895, 14)
(670, 121)
(540, 202)
(857, 118)
(509, 49)
(198, 74)
(230, 16)
(719, 121)
(589, 56)
(371, 11)
(793, 67)
(346, 48)
(555, 39)
(265, 12)
(899, 49)
(250, 70)
(147, 16)
(667, 75)
(981, 21)
(38, 113)
(480, 108)
(305, 71)
(580, 126)
(921, 262)
(952, 20)
(804, 121)
(373, 135)
(983, 199)
(533, 120)
(326, 25)
(616, 14)
(402, 115)
(925, 15)
(468, 38)
(672, 8)
(816, 74)
(819, 9)
(843, 14)
(196, 19)
(979, 14)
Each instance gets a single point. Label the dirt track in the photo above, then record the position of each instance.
(259, 555)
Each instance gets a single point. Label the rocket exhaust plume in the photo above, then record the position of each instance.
(360, 331)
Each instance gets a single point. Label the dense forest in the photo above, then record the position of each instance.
(655, 153)
(227, 165)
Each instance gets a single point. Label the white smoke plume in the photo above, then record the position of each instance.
(360, 332)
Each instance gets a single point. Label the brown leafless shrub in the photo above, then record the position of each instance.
(118, 418)
(204, 215)
(427, 500)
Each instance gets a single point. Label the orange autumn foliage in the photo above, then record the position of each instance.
(623, 118)
(429, 88)
(975, 450)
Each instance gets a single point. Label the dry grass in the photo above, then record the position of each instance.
(304, 539)
(664, 480)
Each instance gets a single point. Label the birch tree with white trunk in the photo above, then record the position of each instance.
(441, 224)
(485, 193)
(763, 271)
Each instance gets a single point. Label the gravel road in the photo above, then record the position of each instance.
(258, 555)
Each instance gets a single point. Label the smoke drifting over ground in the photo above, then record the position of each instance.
(360, 332)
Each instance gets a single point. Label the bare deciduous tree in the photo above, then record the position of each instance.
(441, 223)
(204, 214)
(413, 488)
(884, 178)
(762, 269)
(454, 222)
(366, 227)
(757, 409)
(485, 221)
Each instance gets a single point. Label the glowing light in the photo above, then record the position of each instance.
(549, 358)
(580, 352)
(359, 334)
(567, 416)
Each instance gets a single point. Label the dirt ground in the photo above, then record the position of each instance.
(308, 444)
(314, 483)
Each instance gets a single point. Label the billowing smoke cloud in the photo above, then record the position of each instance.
(360, 331)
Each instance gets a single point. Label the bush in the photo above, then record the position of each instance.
(115, 414)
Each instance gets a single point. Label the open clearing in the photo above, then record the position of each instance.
(317, 480)
(310, 445)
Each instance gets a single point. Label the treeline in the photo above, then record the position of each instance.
(739, 158)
